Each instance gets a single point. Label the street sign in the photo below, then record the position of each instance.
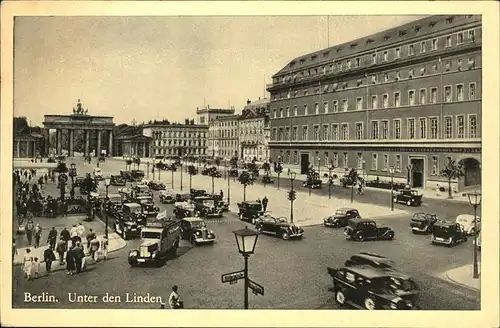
(232, 276)
(63, 178)
(255, 287)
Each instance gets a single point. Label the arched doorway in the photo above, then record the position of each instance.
(472, 170)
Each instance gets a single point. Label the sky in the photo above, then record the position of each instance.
(146, 68)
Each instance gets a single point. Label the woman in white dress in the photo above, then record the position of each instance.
(28, 264)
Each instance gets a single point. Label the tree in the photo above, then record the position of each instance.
(266, 167)
(245, 180)
(452, 171)
(61, 167)
(217, 161)
(191, 172)
(234, 162)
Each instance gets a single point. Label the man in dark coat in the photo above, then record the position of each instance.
(51, 240)
(264, 203)
(48, 257)
(70, 261)
(65, 235)
(79, 255)
(62, 246)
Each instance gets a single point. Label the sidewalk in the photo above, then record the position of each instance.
(463, 276)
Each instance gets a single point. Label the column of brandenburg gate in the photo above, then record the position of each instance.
(79, 120)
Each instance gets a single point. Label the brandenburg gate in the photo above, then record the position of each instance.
(79, 120)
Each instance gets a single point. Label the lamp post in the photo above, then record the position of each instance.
(330, 181)
(291, 176)
(225, 168)
(147, 169)
(172, 169)
(181, 172)
(72, 174)
(391, 171)
(228, 191)
(212, 175)
(246, 239)
(153, 168)
(319, 167)
(475, 201)
(107, 182)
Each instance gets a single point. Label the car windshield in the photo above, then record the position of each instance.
(340, 212)
(208, 202)
(255, 207)
(150, 235)
(444, 230)
(198, 224)
(115, 199)
(402, 284)
(281, 220)
(419, 217)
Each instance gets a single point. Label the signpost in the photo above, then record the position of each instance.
(255, 287)
(232, 276)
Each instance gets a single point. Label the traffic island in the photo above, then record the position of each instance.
(463, 276)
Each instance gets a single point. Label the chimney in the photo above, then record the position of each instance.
(248, 101)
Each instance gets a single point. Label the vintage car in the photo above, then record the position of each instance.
(166, 197)
(79, 181)
(370, 259)
(156, 185)
(233, 173)
(267, 179)
(312, 183)
(365, 287)
(126, 226)
(278, 226)
(113, 199)
(126, 175)
(341, 217)
(410, 197)
(97, 173)
(148, 205)
(197, 192)
(362, 229)
(137, 175)
(117, 180)
(467, 223)
(141, 189)
(159, 241)
(195, 230)
(182, 197)
(205, 206)
(220, 202)
(134, 211)
(448, 233)
(250, 211)
(423, 222)
(183, 209)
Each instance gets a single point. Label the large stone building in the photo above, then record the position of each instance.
(254, 131)
(208, 116)
(176, 140)
(408, 98)
(226, 140)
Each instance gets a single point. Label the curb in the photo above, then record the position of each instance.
(448, 278)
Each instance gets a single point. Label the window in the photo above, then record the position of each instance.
(386, 56)
(335, 159)
(411, 97)
(304, 133)
(422, 47)
(325, 107)
(385, 100)
(459, 64)
(346, 160)
(294, 133)
(398, 52)
(423, 96)
(327, 162)
(397, 129)
(460, 92)
(385, 130)
(447, 93)
(348, 64)
(397, 163)
(374, 102)
(375, 131)
(472, 90)
(335, 132)
(374, 162)
(472, 126)
(306, 110)
(345, 131)
(316, 132)
(434, 128)
(344, 105)
(385, 164)
(423, 127)
(386, 77)
(448, 41)
(287, 133)
(374, 79)
(448, 127)
(435, 165)
(359, 103)
(472, 35)
(326, 135)
(422, 71)
(287, 157)
(274, 135)
(275, 113)
(280, 134)
(411, 72)
(460, 38)
(316, 108)
(434, 92)
(295, 111)
(335, 106)
(411, 128)
(296, 157)
(411, 50)
(360, 160)
(434, 68)
(460, 127)
(357, 62)
(374, 58)
(359, 131)
(434, 44)
(288, 112)
(397, 99)
(398, 76)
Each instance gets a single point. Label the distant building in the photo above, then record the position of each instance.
(28, 141)
(208, 116)
(227, 136)
(254, 131)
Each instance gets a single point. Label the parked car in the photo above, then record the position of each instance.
(117, 180)
(278, 226)
(267, 179)
(166, 197)
(182, 197)
(250, 211)
(197, 192)
(467, 223)
(205, 206)
(126, 175)
(365, 287)
(137, 175)
(156, 185)
(341, 217)
(183, 209)
(423, 222)
(410, 197)
(448, 233)
(141, 189)
(362, 229)
(195, 230)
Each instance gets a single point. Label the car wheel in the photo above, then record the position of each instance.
(359, 236)
(472, 231)
(193, 241)
(285, 235)
(390, 235)
(369, 303)
(258, 228)
(395, 200)
(340, 297)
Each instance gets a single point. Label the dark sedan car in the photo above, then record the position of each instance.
(448, 233)
(278, 226)
(156, 185)
(195, 230)
(423, 222)
(341, 217)
(362, 229)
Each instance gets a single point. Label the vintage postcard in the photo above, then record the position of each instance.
(162, 158)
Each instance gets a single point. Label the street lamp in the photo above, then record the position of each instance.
(72, 174)
(228, 191)
(153, 168)
(246, 239)
(391, 171)
(330, 181)
(181, 171)
(225, 168)
(475, 201)
(319, 167)
(107, 182)
(291, 176)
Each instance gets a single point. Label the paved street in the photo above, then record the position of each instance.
(292, 272)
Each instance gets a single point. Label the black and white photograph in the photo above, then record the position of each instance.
(253, 160)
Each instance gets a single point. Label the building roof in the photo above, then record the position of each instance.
(134, 137)
(228, 117)
(175, 125)
(378, 40)
(215, 110)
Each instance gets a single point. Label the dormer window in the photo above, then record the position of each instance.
(410, 73)
(302, 61)
(449, 20)
(397, 76)
(387, 37)
(326, 53)
(313, 57)
(402, 33)
(422, 71)
(369, 40)
(472, 35)
(374, 79)
(417, 28)
(459, 64)
(353, 45)
(472, 62)
(334, 86)
(338, 49)
(447, 66)
(360, 82)
(431, 24)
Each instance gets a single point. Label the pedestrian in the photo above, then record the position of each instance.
(65, 234)
(48, 258)
(29, 231)
(38, 235)
(80, 231)
(28, 264)
(70, 261)
(104, 246)
(78, 255)
(258, 201)
(175, 300)
(14, 249)
(73, 232)
(45, 177)
(36, 267)
(221, 194)
(438, 192)
(94, 247)
(61, 248)
(264, 203)
(51, 240)
(90, 237)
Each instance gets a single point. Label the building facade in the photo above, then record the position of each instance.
(254, 131)
(227, 136)
(208, 116)
(408, 98)
(176, 140)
